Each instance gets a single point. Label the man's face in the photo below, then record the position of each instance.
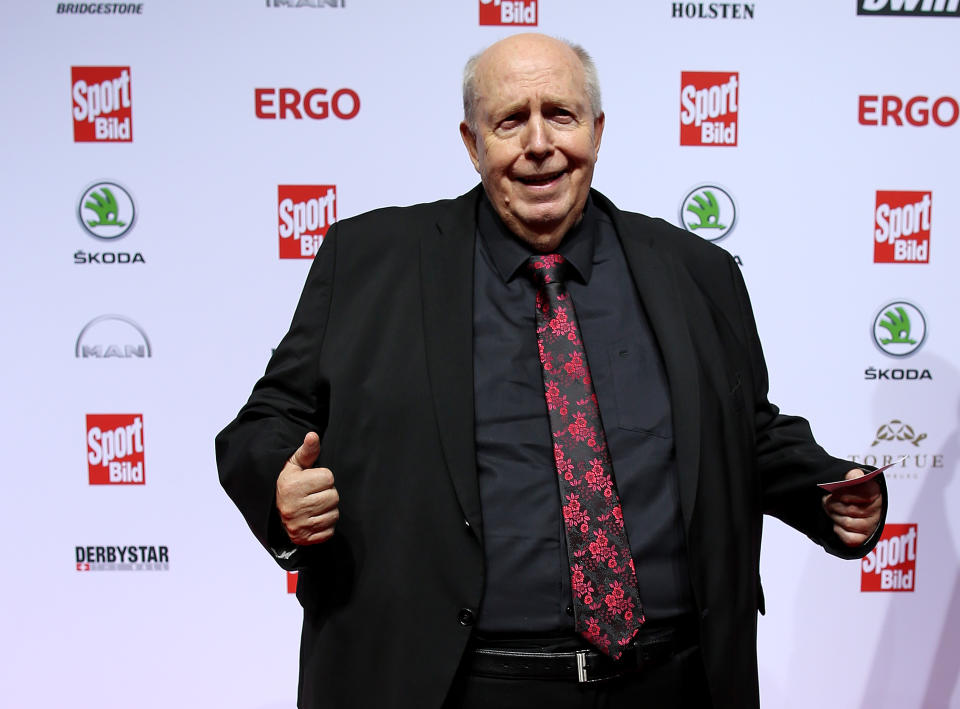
(536, 139)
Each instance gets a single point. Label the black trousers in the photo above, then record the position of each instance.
(678, 682)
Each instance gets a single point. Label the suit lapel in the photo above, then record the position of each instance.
(446, 280)
(656, 279)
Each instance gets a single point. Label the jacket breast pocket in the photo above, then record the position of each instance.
(640, 388)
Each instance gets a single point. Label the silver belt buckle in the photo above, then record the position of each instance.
(582, 666)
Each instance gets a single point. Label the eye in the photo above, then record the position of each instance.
(510, 122)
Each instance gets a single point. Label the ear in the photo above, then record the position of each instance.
(598, 124)
(470, 141)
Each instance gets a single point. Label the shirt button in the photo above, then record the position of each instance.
(465, 617)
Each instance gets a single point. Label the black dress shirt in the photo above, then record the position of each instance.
(527, 583)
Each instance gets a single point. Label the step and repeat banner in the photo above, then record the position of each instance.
(170, 167)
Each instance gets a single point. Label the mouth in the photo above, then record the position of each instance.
(543, 180)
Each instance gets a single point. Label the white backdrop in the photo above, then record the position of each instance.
(214, 626)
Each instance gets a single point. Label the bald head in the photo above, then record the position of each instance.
(532, 129)
(525, 42)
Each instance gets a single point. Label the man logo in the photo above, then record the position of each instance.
(899, 329)
(106, 210)
(112, 336)
(708, 211)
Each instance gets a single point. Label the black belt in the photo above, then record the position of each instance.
(651, 647)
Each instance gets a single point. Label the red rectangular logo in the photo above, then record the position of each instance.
(508, 12)
(292, 577)
(901, 227)
(306, 213)
(709, 107)
(115, 449)
(102, 104)
(892, 565)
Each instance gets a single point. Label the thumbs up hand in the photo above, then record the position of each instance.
(306, 498)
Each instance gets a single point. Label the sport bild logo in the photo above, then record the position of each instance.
(508, 12)
(292, 577)
(102, 104)
(109, 336)
(305, 213)
(892, 565)
(902, 227)
(917, 8)
(709, 107)
(115, 449)
(141, 557)
(708, 211)
(879, 110)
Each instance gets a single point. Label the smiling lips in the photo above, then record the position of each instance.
(541, 180)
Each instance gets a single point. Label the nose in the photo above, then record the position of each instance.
(538, 138)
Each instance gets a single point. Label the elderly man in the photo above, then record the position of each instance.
(518, 443)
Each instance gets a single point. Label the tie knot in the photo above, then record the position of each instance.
(547, 268)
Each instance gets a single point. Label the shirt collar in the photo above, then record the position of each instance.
(510, 253)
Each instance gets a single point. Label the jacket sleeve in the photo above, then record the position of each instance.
(790, 462)
(287, 402)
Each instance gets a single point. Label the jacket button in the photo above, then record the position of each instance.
(466, 523)
(465, 617)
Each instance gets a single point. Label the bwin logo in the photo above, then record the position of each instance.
(112, 336)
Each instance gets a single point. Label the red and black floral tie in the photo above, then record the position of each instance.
(606, 601)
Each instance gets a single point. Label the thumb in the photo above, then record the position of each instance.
(306, 455)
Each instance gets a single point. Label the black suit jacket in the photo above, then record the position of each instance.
(379, 361)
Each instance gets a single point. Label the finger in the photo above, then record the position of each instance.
(850, 539)
(306, 455)
(313, 529)
(838, 507)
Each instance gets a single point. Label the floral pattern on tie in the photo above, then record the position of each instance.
(606, 600)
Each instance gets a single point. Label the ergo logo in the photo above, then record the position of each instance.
(917, 111)
(278, 103)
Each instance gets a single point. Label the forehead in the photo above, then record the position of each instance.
(541, 73)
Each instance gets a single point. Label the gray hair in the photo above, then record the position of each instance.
(470, 97)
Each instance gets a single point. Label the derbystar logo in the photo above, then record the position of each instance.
(709, 106)
(902, 227)
(899, 328)
(886, 110)
(102, 105)
(272, 104)
(508, 12)
(112, 336)
(896, 440)
(306, 213)
(892, 565)
(714, 10)
(123, 558)
(917, 8)
(115, 449)
(292, 577)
